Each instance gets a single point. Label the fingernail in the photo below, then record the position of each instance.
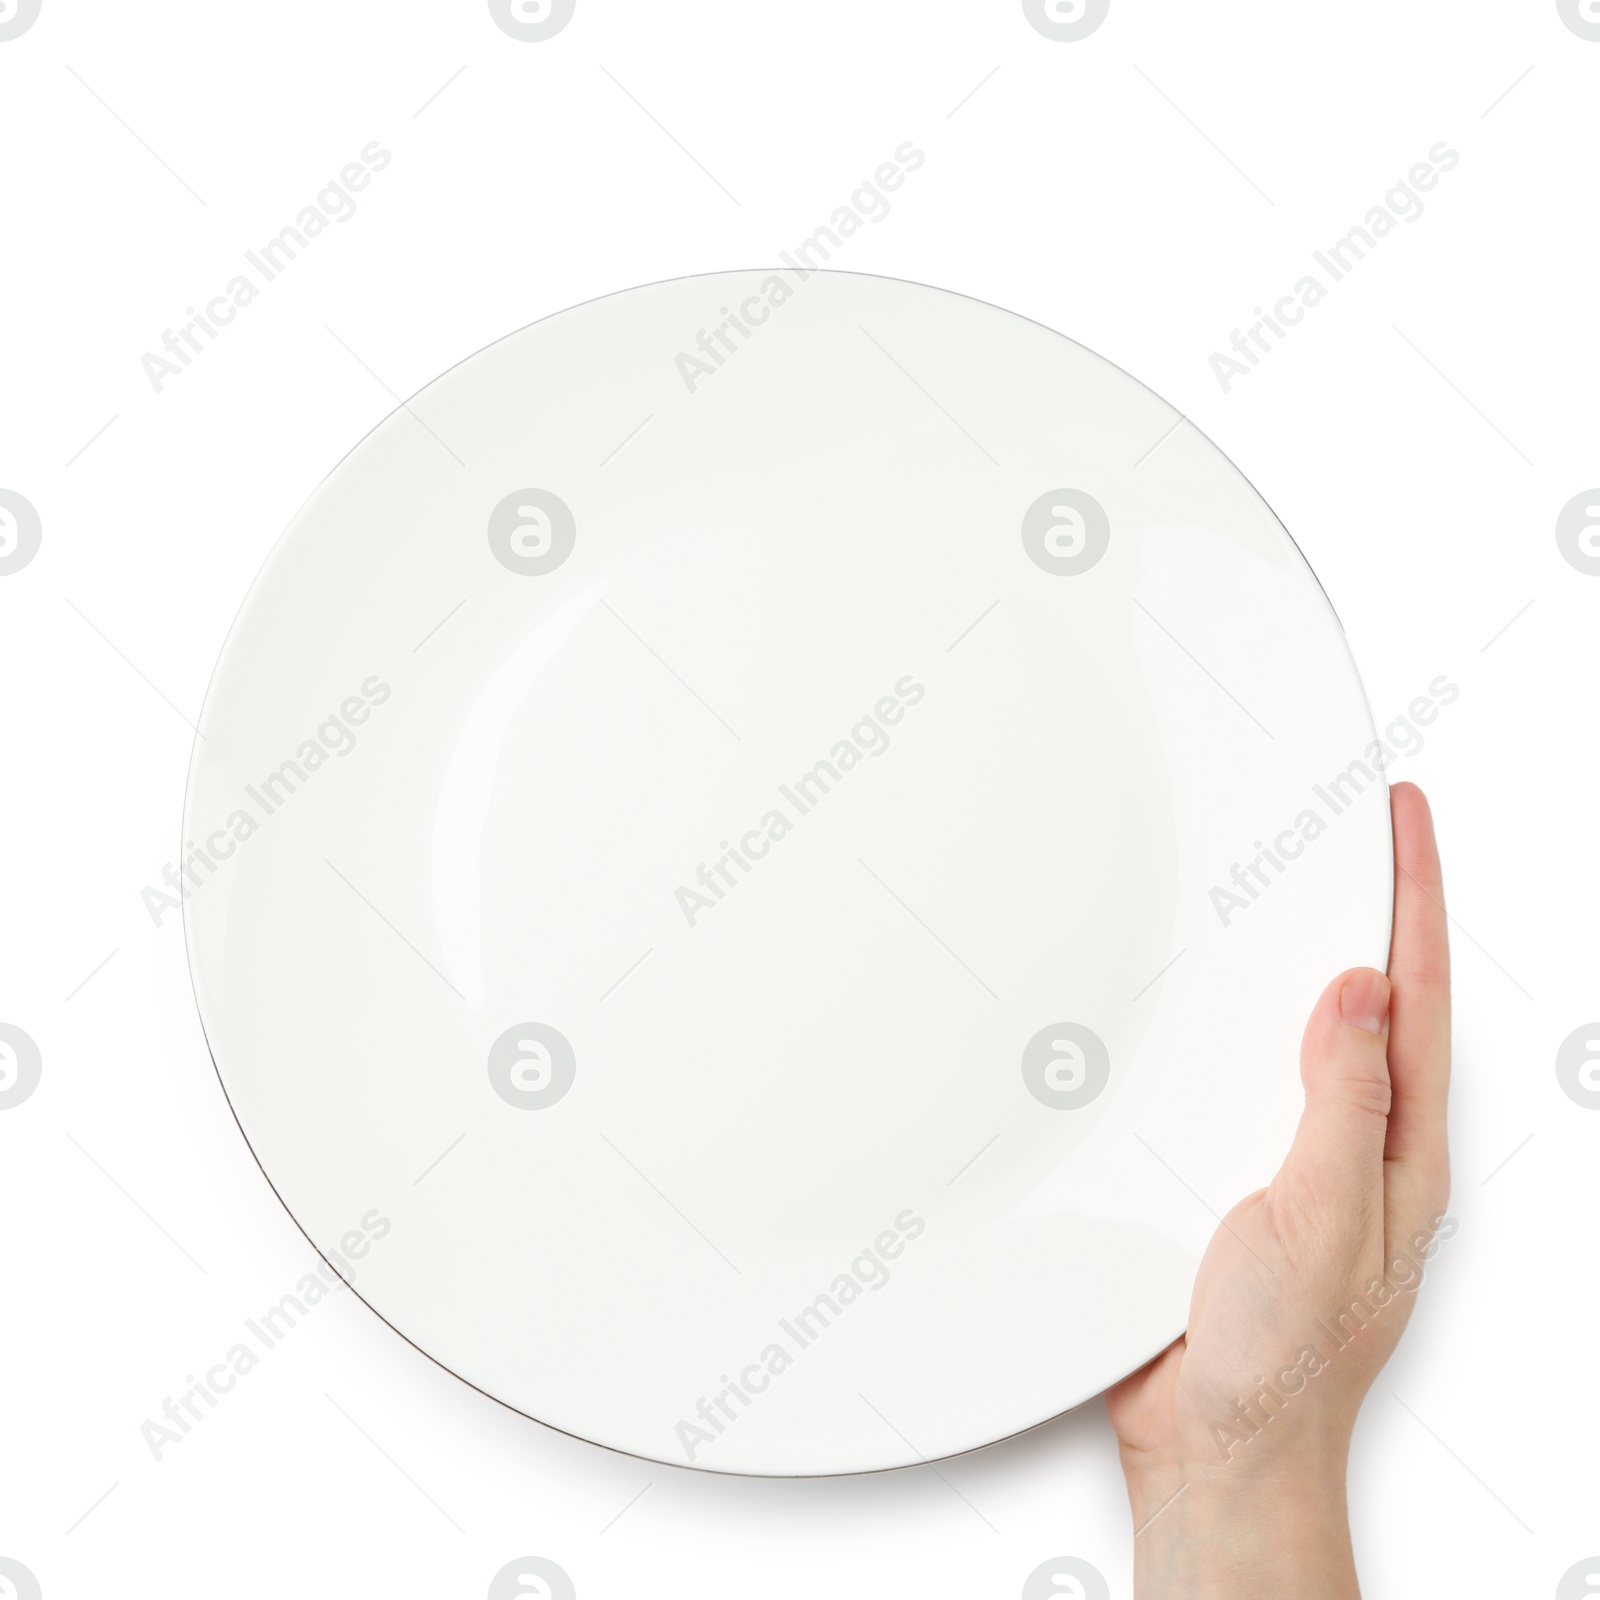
(1364, 1001)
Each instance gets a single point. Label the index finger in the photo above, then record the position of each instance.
(1419, 1027)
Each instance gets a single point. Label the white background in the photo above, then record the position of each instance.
(1418, 433)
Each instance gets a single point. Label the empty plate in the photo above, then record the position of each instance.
(759, 854)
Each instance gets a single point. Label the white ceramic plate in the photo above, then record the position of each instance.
(761, 850)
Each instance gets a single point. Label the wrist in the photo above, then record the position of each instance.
(1274, 1528)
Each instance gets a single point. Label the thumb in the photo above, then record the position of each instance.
(1337, 1154)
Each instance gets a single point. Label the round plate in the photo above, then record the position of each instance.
(757, 861)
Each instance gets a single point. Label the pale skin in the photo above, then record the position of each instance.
(1252, 1506)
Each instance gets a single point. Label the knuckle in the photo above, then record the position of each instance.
(1365, 1091)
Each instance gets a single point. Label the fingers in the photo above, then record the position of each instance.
(1419, 968)
(1337, 1155)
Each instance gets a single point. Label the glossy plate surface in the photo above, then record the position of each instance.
(761, 852)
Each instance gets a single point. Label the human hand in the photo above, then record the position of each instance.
(1234, 1440)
